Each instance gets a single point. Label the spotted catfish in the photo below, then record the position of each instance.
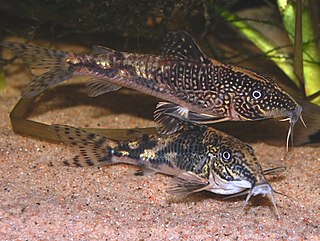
(200, 158)
(194, 88)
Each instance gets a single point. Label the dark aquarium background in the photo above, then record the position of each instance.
(222, 28)
(254, 34)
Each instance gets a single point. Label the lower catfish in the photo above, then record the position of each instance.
(199, 158)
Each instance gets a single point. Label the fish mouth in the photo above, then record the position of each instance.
(221, 186)
(263, 188)
(292, 116)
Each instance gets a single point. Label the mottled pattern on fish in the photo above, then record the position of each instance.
(185, 76)
(41, 58)
(200, 158)
(197, 150)
(201, 90)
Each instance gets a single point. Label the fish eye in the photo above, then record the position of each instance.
(257, 94)
(226, 155)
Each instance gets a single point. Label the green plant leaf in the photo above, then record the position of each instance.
(311, 56)
(310, 53)
(263, 43)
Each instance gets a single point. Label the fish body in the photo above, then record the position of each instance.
(200, 158)
(195, 88)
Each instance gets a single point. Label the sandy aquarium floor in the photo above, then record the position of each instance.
(43, 200)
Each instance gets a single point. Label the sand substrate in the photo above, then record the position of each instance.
(43, 200)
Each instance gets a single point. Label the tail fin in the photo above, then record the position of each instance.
(41, 58)
(94, 150)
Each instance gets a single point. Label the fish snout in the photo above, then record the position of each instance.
(295, 114)
(293, 117)
(262, 187)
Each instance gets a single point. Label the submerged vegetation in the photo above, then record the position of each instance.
(299, 57)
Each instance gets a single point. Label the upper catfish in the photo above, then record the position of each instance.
(194, 88)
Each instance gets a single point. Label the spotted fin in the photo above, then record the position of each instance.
(180, 46)
(187, 183)
(95, 150)
(41, 58)
(171, 118)
(42, 82)
(36, 57)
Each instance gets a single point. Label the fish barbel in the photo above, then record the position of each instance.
(194, 88)
(199, 157)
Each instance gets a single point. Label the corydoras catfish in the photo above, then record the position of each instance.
(194, 88)
(199, 157)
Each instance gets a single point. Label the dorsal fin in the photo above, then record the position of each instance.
(180, 46)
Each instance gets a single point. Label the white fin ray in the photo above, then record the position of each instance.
(171, 118)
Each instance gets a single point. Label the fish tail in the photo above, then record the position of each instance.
(94, 150)
(41, 58)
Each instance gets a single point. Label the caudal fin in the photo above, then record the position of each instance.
(41, 58)
(94, 150)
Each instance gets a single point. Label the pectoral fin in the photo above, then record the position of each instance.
(274, 171)
(171, 118)
(165, 114)
(187, 183)
(144, 172)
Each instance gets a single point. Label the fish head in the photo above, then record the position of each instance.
(236, 170)
(235, 167)
(259, 97)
